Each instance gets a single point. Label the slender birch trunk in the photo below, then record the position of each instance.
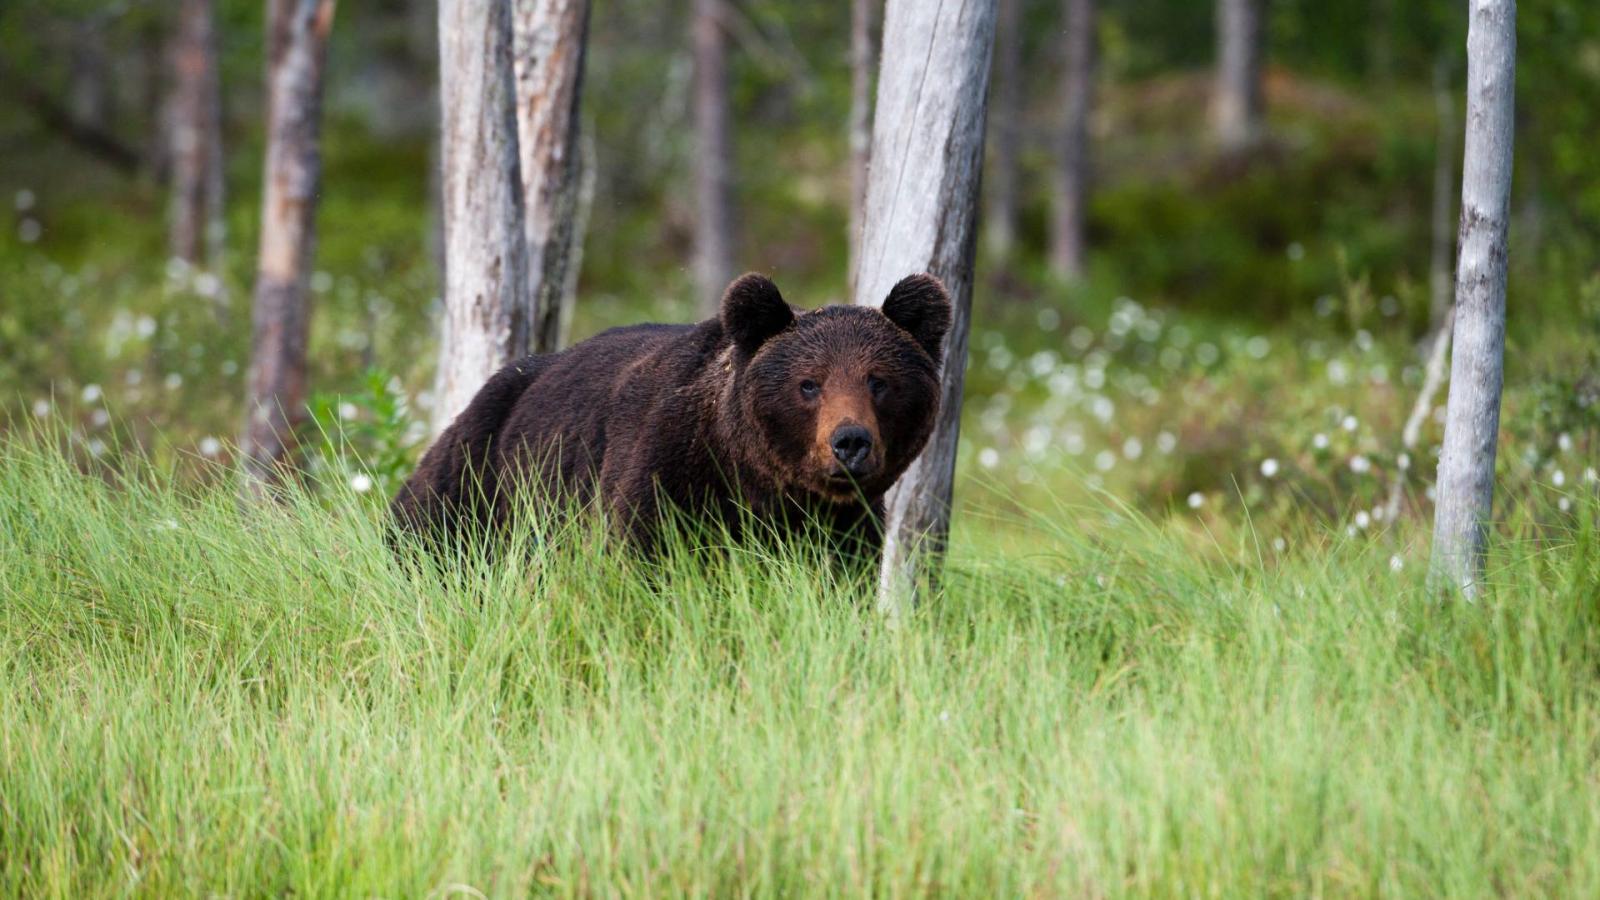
(922, 203)
(488, 315)
(1000, 225)
(297, 44)
(1477, 371)
(713, 234)
(550, 45)
(1072, 181)
(863, 58)
(1236, 106)
(195, 217)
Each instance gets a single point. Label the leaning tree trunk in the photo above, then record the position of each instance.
(1072, 181)
(488, 319)
(863, 58)
(1000, 225)
(1472, 422)
(550, 38)
(195, 217)
(297, 44)
(713, 233)
(922, 202)
(1236, 106)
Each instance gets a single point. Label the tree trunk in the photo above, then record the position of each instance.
(1000, 227)
(195, 217)
(550, 46)
(922, 202)
(713, 237)
(863, 58)
(1236, 107)
(488, 315)
(1472, 420)
(1441, 285)
(1072, 182)
(297, 43)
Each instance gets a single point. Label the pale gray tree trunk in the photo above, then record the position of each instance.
(713, 165)
(1472, 421)
(195, 225)
(1236, 104)
(550, 41)
(1000, 224)
(922, 203)
(863, 59)
(1441, 284)
(488, 315)
(297, 43)
(1072, 179)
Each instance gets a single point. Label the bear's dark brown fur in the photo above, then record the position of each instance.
(797, 416)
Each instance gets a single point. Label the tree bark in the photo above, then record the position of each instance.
(550, 38)
(297, 44)
(713, 237)
(488, 315)
(863, 58)
(1072, 181)
(1477, 370)
(195, 217)
(1441, 285)
(1236, 106)
(1000, 226)
(922, 202)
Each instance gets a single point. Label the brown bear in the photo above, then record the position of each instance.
(801, 418)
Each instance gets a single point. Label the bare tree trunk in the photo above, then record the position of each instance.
(1072, 181)
(713, 238)
(922, 203)
(549, 49)
(863, 58)
(297, 43)
(195, 216)
(488, 315)
(1477, 371)
(1000, 226)
(1440, 283)
(1236, 106)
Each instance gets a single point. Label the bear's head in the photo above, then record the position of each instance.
(837, 401)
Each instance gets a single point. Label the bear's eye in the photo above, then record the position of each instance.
(810, 389)
(875, 385)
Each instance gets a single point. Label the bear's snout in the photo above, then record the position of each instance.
(852, 447)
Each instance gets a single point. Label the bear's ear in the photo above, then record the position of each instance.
(752, 311)
(920, 305)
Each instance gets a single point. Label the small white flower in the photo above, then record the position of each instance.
(173, 381)
(1403, 461)
(1296, 251)
(321, 282)
(1105, 460)
(348, 410)
(97, 447)
(29, 231)
(91, 393)
(1363, 519)
(99, 418)
(1349, 423)
(1590, 476)
(1166, 442)
(1319, 441)
(1279, 544)
(1132, 448)
(1564, 441)
(360, 483)
(944, 716)
(1396, 563)
(1432, 493)
(41, 407)
(1196, 500)
(1564, 504)
(210, 446)
(207, 285)
(145, 326)
(23, 201)
(988, 457)
(165, 525)
(1269, 468)
(1360, 464)
(1558, 478)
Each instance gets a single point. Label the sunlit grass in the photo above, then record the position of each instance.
(197, 697)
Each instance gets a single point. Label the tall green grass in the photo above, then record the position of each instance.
(202, 698)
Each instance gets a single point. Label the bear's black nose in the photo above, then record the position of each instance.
(851, 445)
